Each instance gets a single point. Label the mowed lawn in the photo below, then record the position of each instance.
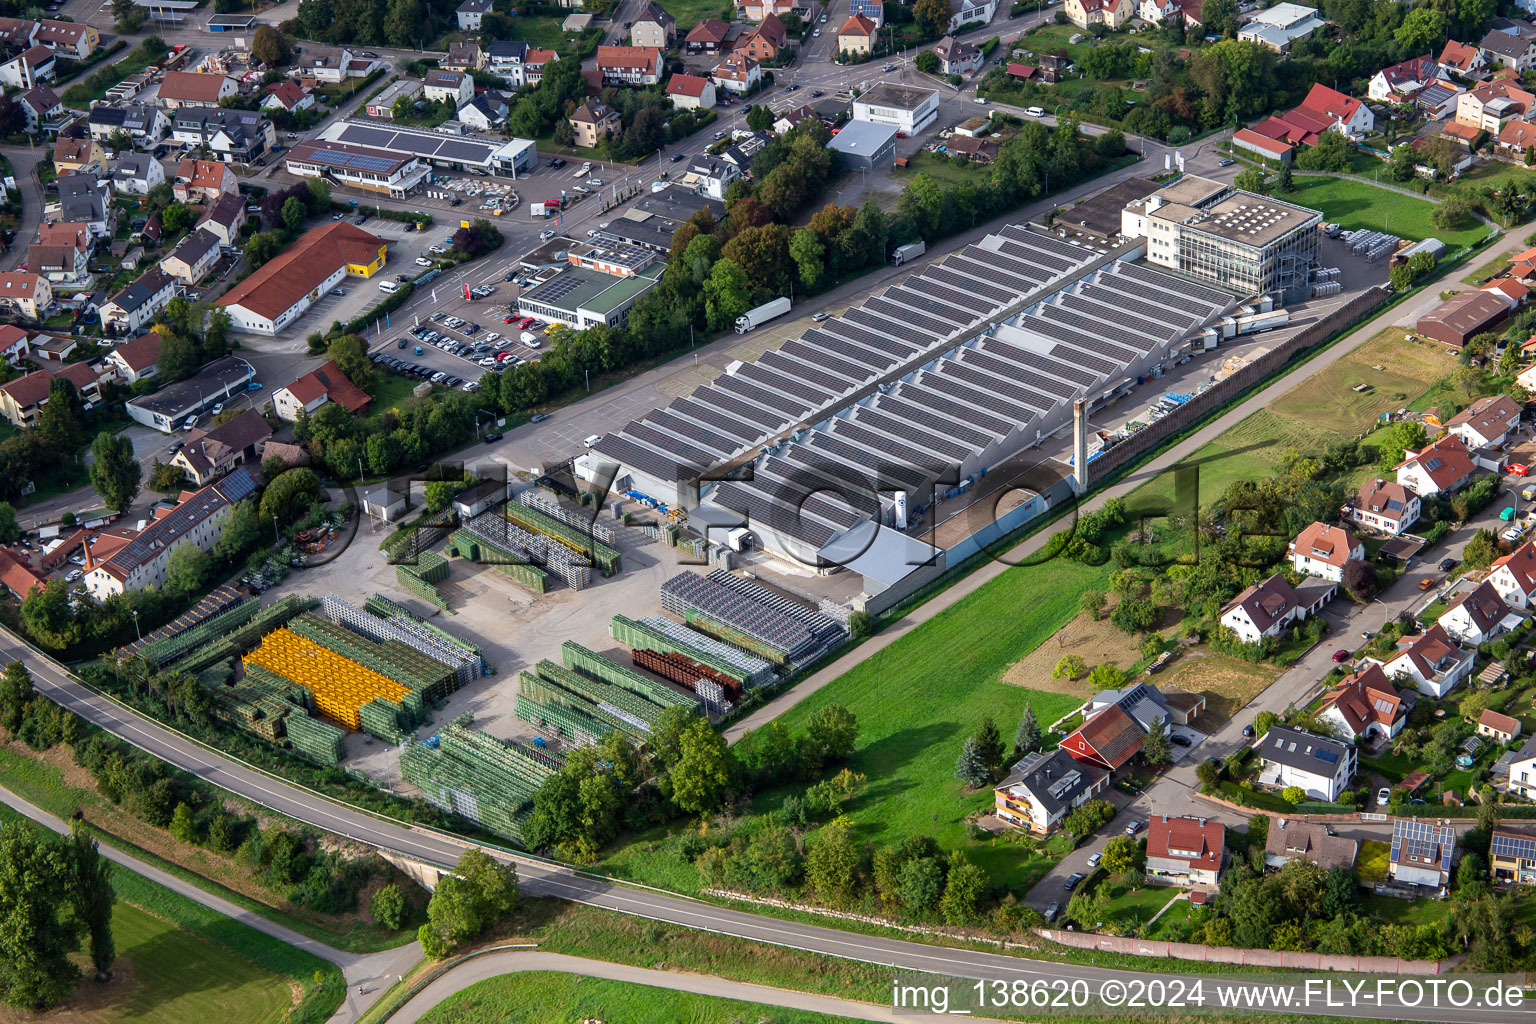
(1354, 204)
(919, 698)
(690, 12)
(547, 997)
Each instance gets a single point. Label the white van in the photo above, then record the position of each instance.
(1035, 111)
(389, 287)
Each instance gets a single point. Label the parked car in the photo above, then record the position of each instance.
(422, 261)
(538, 417)
(1053, 911)
(1340, 656)
(1093, 861)
(1133, 826)
(1178, 741)
(1426, 583)
(1073, 880)
(819, 317)
(1447, 564)
(1383, 796)
(1248, 732)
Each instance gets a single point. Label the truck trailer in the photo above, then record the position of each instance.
(755, 318)
(908, 252)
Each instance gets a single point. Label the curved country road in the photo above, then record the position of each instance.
(545, 878)
(493, 965)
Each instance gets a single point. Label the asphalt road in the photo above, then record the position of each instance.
(542, 878)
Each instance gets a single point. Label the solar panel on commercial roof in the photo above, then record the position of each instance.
(1132, 330)
(947, 383)
(728, 425)
(946, 274)
(870, 336)
(237, 486)
(799, 485)
(973, 370)
(696, 433)
(860, 357)
(557, 287)
(1033, 256)
(1075, 254)
(759, 374)
(822, 358)
(1021, 370)
(684, 452)
(1072, 372)
(1157, 278)
(960, 316)
(828, 382)
(935, 441)
(880, 315)
(642, 457)
(1011, 255)
(1177, 316)
(1088, 325)
(1017, 377)
(918, 392)
(1123, 285)
(989, 266)
(851, 430)
(853, 484)
(899, 406)
(787, 404)
(885, 472)
(971, 300)
(732, 405)
(758, 508)
(1098, 353)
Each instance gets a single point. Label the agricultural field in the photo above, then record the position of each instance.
(1356, 204)
(539, 997)
(1096, 641)
(1227, 683)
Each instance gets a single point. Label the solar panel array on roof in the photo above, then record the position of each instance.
(891, 325)
(936, 441)
(761, 509)
(757, 373)
(947, 405)
(712, 417)
(971, 264)
(751, 610)
(1506, 844)
(886, 473)
(1019, 370)
(899, 405)
(666, 443)
(1423, 840)
(929, 304)
(695, 433)
(997, 386)
(770, 419)
(1160, 315)
(830, 371)
(1007, 376)
(1076, 347)
(736, 384)
(1189, 289)
(1139, 334)
(853, 355)
(1118, 349)
(885, 445)
(804, 488)
(982, 399)
(870, 337)
(943, 273)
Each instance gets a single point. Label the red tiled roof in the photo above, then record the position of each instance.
(1110, 738)
(288, 92)
(1253, 138)
(1329, 104)
(1192, 839)
(686, 85)
(645, 57)
(19, 579)
(141, 353)
(858, 25)
(1445, 461)
(328, 379)
(1521, 564)
(1365, 698)
(294, 273)
(1500, 723)
(191, 86)
(1459, 55)
(710, 30)
(1324, 543)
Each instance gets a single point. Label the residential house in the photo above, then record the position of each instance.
(652, 27)
(334, 66)
(857, 35)
(192, 89)
(325, 383)
(17, 577)
(1514, 576)
(28, 69)
(1478, 615)
(1110, 13)
(488, 110)
(765, 43)
(1043, 788)
(1522, 770)
(193, 257)
(136, 360)
(1364, 706)
(1512, 855)
(534, 62)
(1496, 727)
(464, 57)
(873, 10)
(1431, 662)
(504, 58)
(28, 294)
(199, 181)
(454, 87)
(22, 399)
(288, 284)
(1289, 839)
(198, 518)
(736, 74)
(1108, 740)
(707, 36)
(144, 124)
(1443, 466)
(15, 343)
(594, 121)
(1404, 81)
(1487, 421)
(1385, 506)
(977, 151)
(84, 199)
(287, 95)
(136, 306)
(757, 10)
(1320, 766)
(1487, 105)
(690, 92)
(470, 12)
(1515, 139)
(1341, 113)
(136, 173)
(1322, 550)
(1157, 12)
(957, 58)
(1279, 26)
(1437, 101)
(1266, 608)
(210, 453)
(1509, 50)
(1422, 853)
(1513, 292)
(224, 218)
(972, 14)
(712, 176)
(62, 252)
(1184, 851)
(71, 40)
(40, 105)
(233, 136)
(1461, 59)
(629, 65)
(77, 156)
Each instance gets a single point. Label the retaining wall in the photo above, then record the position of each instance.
(1247, 957)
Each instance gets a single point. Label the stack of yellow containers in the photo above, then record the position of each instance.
(341, 686)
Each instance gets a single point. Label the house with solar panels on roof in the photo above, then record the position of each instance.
(360, 167)
(1043, 788)
(1422, 853)
(868, 421)
(1512, 856)
(1319, 765)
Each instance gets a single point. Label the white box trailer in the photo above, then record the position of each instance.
(755, 318)
(910, 251)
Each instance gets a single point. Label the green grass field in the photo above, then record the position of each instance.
(690, 12)
(543, 997)
(1355, 204)
(178, 961)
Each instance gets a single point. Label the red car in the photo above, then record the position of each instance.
(1341, 655)
(1518, 469)
(901, 135)
(508, 319)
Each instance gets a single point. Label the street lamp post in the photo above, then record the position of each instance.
(276, 539)
(136, 629)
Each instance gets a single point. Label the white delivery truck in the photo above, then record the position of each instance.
(755, 318)
(530, 339)
(910, 251)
